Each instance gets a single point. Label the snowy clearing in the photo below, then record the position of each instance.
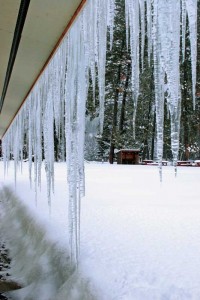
(139, 239)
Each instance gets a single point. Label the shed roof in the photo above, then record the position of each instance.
(128, 150)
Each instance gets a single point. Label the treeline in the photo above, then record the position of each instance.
(119, 109)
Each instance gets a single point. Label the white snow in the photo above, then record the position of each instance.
(140, 239)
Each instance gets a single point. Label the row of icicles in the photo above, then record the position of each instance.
(57, 101)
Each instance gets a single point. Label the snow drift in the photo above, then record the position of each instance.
(43, 269)
(139, 239)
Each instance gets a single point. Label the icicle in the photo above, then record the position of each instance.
(191, 6)
(173, 77)
(30, 140)
(102, 42)
(91, 14)
(127, 22)
(159, 82)
(49, 134)
(37, 139)
(132, 9)
(71, 139)
(142, 17)
(149, 27)
(183, 27)
(110, 23)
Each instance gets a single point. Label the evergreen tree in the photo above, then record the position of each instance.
(118, 127)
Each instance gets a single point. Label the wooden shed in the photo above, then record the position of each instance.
(128, 156)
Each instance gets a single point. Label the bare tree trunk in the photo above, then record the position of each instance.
(122, 116)
(114, 125)
(115, 109)
(153, 136)
(185, 120)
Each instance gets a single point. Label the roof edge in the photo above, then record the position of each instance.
(68, 26)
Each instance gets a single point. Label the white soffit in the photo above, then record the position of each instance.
(45, 23)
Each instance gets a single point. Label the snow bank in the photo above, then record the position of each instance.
(43, 269)
(140, 239)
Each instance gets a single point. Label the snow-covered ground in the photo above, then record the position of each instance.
(140, 239)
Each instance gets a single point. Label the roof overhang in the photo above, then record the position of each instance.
(46, 23)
